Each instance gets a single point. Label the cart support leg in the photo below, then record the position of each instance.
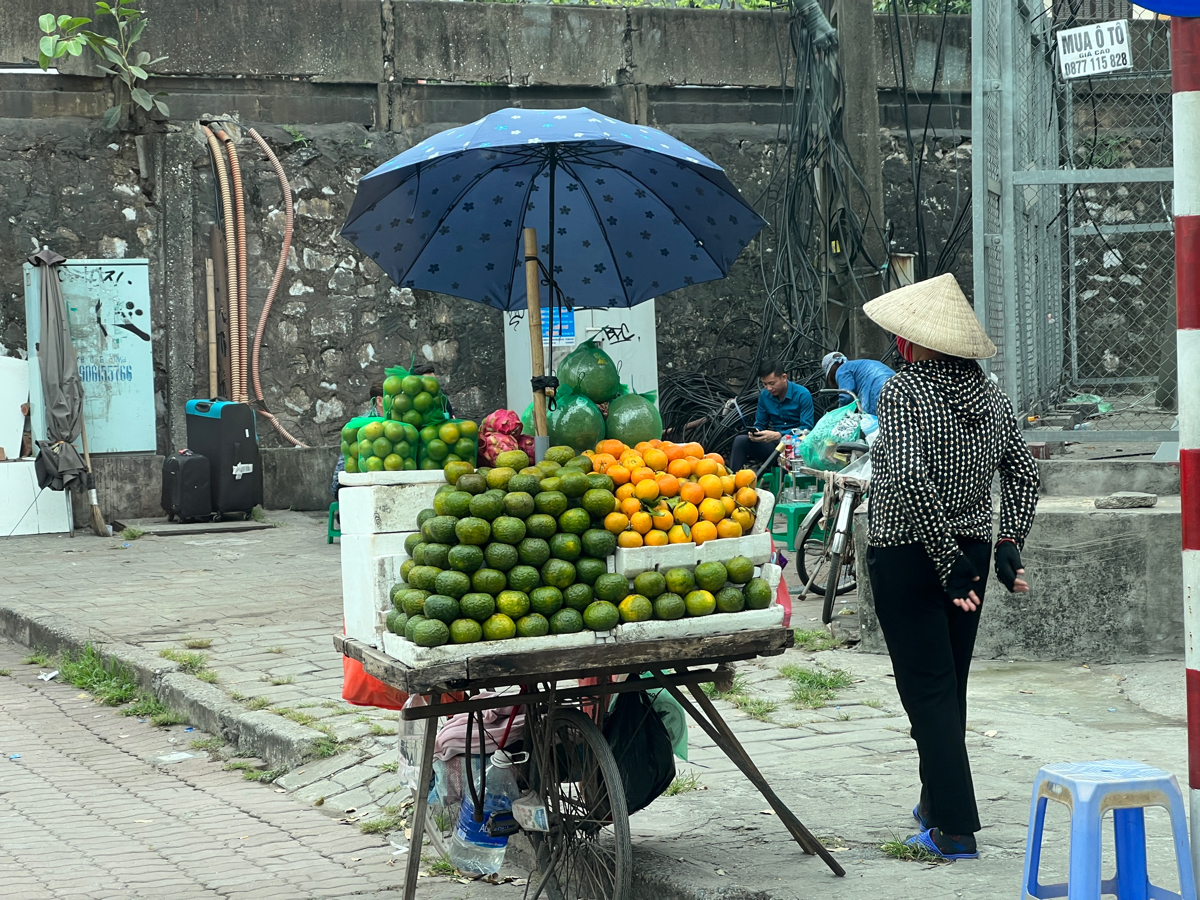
(723, 737)
(413, 867)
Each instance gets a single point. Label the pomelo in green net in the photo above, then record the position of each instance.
(576, 422)
(588, 370)
(632, 419)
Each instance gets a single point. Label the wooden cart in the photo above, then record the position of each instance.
(587, 851)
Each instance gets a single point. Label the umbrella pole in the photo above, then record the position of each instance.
(541, 439)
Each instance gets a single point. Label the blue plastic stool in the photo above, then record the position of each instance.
(1090, 789)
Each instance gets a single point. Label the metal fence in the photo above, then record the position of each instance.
(1074, 243)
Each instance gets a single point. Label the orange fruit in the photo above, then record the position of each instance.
(680, 468)
(601, 462)
(704, 467)
(743, 517)
(640, 474)
(722, 471)
(668, 485)
(646, 489)
(629, 539)
(641, 522)
(727, 528)
(656, 538)
(630, 505)
(711, 485)
(656, 459)
(611, 446)
(703, 531)
(691, 492)
(642, 446)
(686, 513)
(694, 450)
(747, 496)
(729, 503)
(628, 455)
(618, 473)
(662, 518)
(728, 484)
(680, 534)
(624, 492)
(744, 478)
(712, 510)
(673, 451)
(589, 453)
(616, 522)
(715, 457)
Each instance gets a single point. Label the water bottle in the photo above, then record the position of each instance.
(478, 847)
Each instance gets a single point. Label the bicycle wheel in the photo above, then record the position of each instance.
(587, 854)
(812, 560)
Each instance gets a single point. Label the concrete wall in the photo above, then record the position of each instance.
(1105, 587)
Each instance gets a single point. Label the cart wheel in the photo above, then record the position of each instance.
(587, 853)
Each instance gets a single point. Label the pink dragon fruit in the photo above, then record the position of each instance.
(525, 442)
(502, 421)
(494, 444)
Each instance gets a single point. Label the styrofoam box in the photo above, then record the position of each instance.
(717, 623)
(632, 561)
(764, 512)
(384, 508)
(755, 546)
(370, 566)
(416, 657)
(426, 476)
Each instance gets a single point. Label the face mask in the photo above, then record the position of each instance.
(905, 348)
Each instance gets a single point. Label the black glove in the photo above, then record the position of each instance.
(963, 578)
(1008, 562)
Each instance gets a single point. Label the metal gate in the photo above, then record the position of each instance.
(1073, 233)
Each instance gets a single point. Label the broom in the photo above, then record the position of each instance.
(98, 524)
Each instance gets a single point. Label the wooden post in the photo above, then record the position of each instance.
(533, 295)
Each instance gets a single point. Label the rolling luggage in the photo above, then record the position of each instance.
(225, 433)
(186, 490)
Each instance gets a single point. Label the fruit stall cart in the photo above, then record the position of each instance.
(587, 851)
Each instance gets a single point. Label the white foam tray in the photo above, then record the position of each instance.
(632, 561)
(384, 508)
(763, 513)
(417, 657)
(701, 626)
(370, 566)
(420, 476)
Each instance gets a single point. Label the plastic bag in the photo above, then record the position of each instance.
(575, 421)
(819, 448)
(642, 746)
(415, 399)
(588, 370)
(373, 444)
(633, 418)
(448, 440)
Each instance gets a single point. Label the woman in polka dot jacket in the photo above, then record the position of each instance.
(944, 431)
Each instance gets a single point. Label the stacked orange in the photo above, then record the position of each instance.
(674, 494)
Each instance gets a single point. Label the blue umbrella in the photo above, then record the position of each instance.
(624, 212)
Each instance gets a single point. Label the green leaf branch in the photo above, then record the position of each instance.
(66, 35)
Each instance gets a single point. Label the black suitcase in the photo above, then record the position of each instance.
(186, 486)
(225, 433)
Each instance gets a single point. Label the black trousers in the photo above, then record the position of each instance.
(744, 449)
(930, 641)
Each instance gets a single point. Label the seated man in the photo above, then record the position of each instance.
(782, 406)
(865, 377)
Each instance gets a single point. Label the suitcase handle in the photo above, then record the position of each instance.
(203, 405)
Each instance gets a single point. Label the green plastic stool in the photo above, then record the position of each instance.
(794, 514)
(770, 481)
(333, 532)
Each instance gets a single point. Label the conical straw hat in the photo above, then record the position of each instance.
(934, 314)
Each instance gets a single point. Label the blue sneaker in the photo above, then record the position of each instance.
(923, 822)
(953, 849)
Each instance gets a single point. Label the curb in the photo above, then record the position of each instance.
(276, 740)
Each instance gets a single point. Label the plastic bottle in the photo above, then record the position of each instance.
(472, 849)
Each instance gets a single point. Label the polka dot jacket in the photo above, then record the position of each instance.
(944, 431)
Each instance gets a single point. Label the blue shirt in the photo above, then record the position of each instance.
(865, 377)
(795, 410)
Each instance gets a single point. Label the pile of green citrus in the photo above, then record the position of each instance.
(380, 445)
(709, 588)
(416, 400)
(509, 551)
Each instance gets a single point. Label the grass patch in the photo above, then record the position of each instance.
(361, 720)
(897, 849)
(755, 707)
(105, 679)
(36, 658)
(188, 662)
(325, 747)
(873, 703)
(683, 783)
(274, 650)
(812, 688)
(739, 687)
(815, 641)
(132, 534)
(379, 730)
(279, 681)
(4, 673)
(146, 707)
(208, 675)
(237, 695)
(211, 744)
(442, 820)
(391, 766)
(393, 819)
(295, 715)
(442, 866)
(257, 703)
(197, 643)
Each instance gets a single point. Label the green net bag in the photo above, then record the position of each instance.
(375, 444)
(588, 370)
(575, 421)
(633, 418)
(448, 440)
(415, 400)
